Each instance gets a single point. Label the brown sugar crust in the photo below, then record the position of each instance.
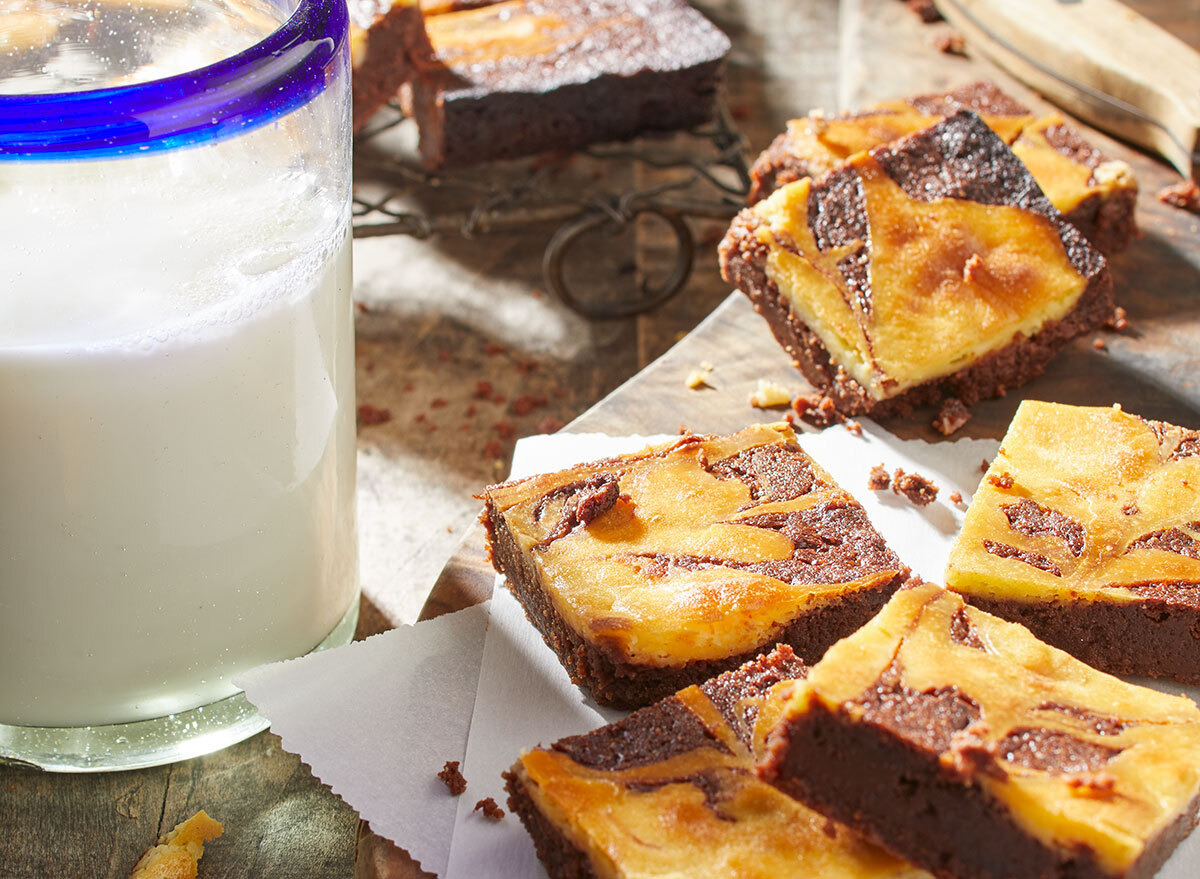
(1129, 638)
(958, 158)
(596, 72)
(614, 682)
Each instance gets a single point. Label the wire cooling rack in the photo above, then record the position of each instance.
(698, 174)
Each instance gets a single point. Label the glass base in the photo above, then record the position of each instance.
(147, 742)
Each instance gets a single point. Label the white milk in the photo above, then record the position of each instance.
(176, 428)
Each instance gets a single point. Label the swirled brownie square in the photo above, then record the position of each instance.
(670, 791)
(652, 571)
(1086, 529)
(520, 77)
(1095, 194)
(927, 267)
(962, 743)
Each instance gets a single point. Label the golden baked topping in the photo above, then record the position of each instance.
(1066, 181)
(1098, 504)
(949, 280)
(701, 549)
(700, 813)
(503, 30)
(1080, 759)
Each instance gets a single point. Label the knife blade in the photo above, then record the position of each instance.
(1100, 61)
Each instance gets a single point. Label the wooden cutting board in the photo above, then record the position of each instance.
(1152, 369)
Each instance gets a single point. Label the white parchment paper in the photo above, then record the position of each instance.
(377, 720)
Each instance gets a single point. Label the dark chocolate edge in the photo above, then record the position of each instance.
(1148, 637)
(627, 685)
(562, 858)
(877, 784)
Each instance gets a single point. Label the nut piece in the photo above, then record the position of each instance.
(179, 852)
(769, 394)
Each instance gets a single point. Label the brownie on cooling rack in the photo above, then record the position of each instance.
(530, 76)
(933, 266)
(960, 742)
(670, 790)
(1095, 194)
(1086, 529)
(651, 571)
(386, 37)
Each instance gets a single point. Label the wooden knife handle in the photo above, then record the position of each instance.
(1099, 60)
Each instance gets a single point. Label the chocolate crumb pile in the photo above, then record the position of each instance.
(879, 479)
(1185, 195)
(917, 488)
(489, 809)
(452, 778)
(953, 415)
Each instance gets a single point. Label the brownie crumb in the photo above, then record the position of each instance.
(854, 427)
(1119, 320)
(924, 10)
(950, 44)
(879, 479)
(1004, 480)
(918, 489)
(452, 778)
(956, 498)
(817, 409)
(1099, 344)
(369, 415)
(1184, 195)
(984, 465)
(489, 809)
(952, 416)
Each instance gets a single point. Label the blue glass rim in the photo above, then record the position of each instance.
(245, 91)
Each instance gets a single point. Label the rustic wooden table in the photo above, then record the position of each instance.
(439, 316)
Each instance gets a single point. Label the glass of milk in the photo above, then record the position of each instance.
(176, 368)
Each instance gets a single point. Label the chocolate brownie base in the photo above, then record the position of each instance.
(936, 163)
(621, 684)
(652, 734)
(1157, 637)
(875, 783)
(621, 75)
(393, 36)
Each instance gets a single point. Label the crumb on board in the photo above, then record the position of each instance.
(489, 809)
(854, 427)
(952, 416)
(179, 852)
(1119, 320)
(924, 10)
(950, 43)
(984, 465)
(878, 480)
(919, 489)
(1099, 344)
(956, 498)
(452, 778)
(817, 409)
(1185, 195)
(697, 378)
(769, 394)
(1004, 480)
(369, 415)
